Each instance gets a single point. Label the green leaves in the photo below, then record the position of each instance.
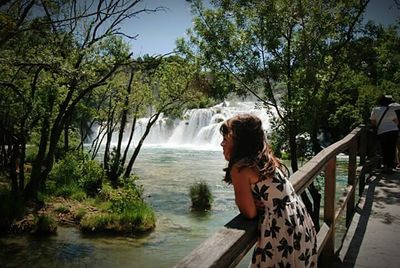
(173, 86)
(289, 54)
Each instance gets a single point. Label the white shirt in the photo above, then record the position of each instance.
(387, 123)
(395, 107)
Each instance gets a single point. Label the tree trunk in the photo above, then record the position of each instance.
(130, 137)
(108, 140)
(98, 141)
(66, 136)
(313, 210)
(21, 177)
(293, 147)
(13, 167)
(150, 123)
(31, 189)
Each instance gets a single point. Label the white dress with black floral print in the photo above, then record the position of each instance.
(287, 235)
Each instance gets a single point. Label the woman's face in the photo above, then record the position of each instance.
(227, 146)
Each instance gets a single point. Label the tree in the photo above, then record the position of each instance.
(372, 69)
(13, 20)
(53, 59)
(147, 88)
(173, 89)
(293, 51)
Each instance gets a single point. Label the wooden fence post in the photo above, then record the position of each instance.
(362, 147)
(351, 178)
(329, 212)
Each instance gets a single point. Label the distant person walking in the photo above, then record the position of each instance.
(385, 120)
(395, 106)
(286, 235)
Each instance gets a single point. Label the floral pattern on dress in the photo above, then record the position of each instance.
(287, 236)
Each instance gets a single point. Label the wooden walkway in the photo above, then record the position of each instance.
(373, 238)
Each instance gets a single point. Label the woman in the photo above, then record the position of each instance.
(385, 119)
(287, 237)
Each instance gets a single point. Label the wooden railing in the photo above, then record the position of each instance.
(229, 245)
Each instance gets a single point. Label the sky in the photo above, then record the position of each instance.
(157, 32)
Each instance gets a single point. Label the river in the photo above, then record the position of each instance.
(166, 175)
(176, 156)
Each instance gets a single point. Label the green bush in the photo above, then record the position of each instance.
(79, 195)
(201, 196)
(97, 222)
(45, 225)
(67, 190)
(66, 171)
(92, 177)
(105, 193)
(138, 219)
(123, 200)
(127, 212)
(75, 171)
(126, 197)
(79, 214)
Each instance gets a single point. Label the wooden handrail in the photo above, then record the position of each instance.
(231, 243)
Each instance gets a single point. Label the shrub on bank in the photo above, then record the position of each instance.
(79, 214)
(92, 177)
(74, 174)
(122, 211)
(86, 200)
(138, 219)
(45, 225)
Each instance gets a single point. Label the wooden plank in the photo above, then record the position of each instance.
(322, 237)
(366, 168)
(349, 190)
(351, 178)
(363, 145)
(302, 178)
(226, 247)
(329, 212)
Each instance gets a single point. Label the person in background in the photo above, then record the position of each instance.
(385, 119)
(396, 108)
(287, 236)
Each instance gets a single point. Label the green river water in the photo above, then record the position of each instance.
(166, 175)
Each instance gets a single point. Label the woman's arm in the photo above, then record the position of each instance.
(243, 196)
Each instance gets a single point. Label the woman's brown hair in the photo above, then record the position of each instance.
(250, 147)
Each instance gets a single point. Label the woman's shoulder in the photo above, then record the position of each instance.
(247, 172)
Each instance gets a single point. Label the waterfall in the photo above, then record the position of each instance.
(198, 128)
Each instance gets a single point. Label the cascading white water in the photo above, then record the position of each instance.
(199, 128)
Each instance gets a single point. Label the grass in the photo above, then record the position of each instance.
(45, 225)
(62, 209)
(67, 200)
(140, 219)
